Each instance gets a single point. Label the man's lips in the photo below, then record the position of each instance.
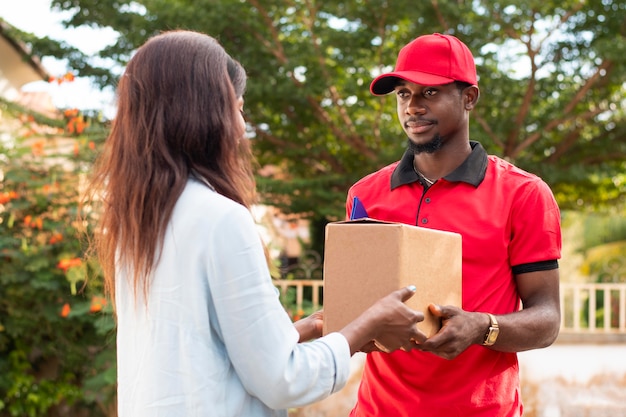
(419, 126)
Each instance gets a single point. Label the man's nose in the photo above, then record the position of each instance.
(415, 106)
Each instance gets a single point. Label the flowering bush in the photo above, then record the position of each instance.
(57, 346)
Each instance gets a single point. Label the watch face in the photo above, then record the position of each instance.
(493, 335)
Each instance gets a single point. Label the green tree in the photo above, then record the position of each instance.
(551, 75)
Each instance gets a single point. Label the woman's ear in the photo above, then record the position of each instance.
(471, 95)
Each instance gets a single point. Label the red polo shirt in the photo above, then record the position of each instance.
(510, 223)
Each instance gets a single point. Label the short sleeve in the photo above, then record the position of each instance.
(536, 225)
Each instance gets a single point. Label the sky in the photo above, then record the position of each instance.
(35, 16)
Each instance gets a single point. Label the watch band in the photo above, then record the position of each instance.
(492, 333)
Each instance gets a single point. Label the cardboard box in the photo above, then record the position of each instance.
(364, 260)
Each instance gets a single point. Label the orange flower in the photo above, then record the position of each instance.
(92, 145)
(76, 124)
(69, 113)
(66, 264)
(37, 147)
(51, 79)
(80, 125)
(298, 315)
(97, 304)
(69, 77)
(65, 311)
(36, 222)
(56, 238)
(5, 198)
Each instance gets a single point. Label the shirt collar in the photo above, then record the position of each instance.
(471, 171)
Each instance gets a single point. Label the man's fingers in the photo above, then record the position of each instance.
(413, 344)
(369, 347)
(435, 309)
(419, 337)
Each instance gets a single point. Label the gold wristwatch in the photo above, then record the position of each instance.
(492, 333)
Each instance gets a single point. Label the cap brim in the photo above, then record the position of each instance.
(385, 83)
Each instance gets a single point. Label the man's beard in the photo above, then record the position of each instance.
(429, 147)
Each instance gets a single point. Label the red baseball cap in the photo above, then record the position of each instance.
(429, 60)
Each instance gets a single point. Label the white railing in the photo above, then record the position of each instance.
(297, 305)
(586, 309)
(593, 308)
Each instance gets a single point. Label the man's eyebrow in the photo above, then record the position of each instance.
(400, 83)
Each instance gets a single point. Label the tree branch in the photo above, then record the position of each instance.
(277, 50)
(352, 138)
(382, 21)
(440, 17)
(276, 47)
(525, 106)
(573, 136)
(606, 65)
(490, 133)
(607, 157)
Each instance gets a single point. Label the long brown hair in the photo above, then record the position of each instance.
(177, 116)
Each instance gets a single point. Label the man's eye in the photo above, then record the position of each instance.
(430, 92)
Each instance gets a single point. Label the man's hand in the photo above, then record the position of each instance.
(310, 327)
(459, 330)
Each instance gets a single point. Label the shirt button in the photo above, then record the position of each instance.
(427, 200)
(424, 221)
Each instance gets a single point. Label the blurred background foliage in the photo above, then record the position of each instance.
(57, 337)
(551, 75)
(552, 101)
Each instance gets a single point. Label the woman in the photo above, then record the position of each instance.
(201, 331)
